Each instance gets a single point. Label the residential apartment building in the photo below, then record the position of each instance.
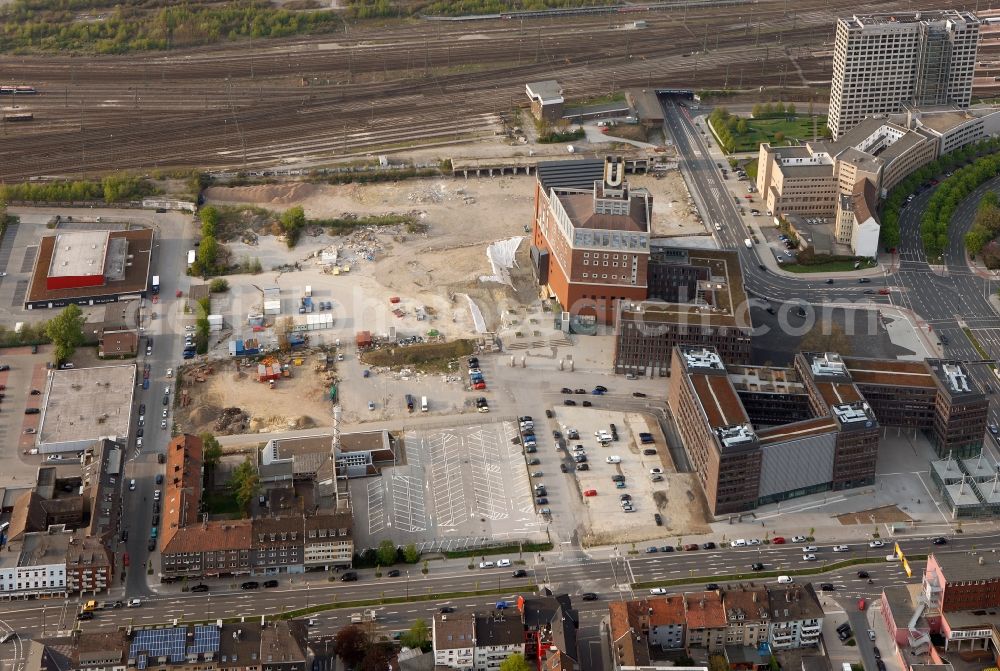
(796, 617)
(706, 620)
(884, 61)
(244, 646)
(696, 297)
(297, 525)
(734, 618)
(476, 642)
(89, 565)
(590, 239)
(814, 427)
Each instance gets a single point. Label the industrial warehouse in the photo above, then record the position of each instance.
(90, 267)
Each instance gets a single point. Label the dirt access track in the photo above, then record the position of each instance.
(376, 89)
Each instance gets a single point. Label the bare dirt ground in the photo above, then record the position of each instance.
(297, 402)
(883, 515)
(462, 217)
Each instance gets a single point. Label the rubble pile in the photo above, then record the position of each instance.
(232, 420)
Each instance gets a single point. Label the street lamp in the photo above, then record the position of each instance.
(407, 585)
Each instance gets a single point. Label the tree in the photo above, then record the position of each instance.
(717, 663)
(790, 109)
(292, 222)
(208, 252)
(515, 662)
(779, 108)
(376, 657)
(211, 450)
(826, 337)
(742, 127)
(350, 643)
(244, 483)
(65, 330)
(755, 112)
(386, 553)
(209, 221)
(283, 327)
(779, 137)
(768, 110)
(410, 554)
(418, 634)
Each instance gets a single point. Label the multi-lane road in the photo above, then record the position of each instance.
(944, 299)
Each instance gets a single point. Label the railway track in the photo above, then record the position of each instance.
(323, 97)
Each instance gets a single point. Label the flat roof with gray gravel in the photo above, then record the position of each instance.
(84, 404)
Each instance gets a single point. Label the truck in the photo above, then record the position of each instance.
(309, 290)
(363, 616)
(746, 241)
(156, 285)
(190, 258)
(409, 403)
(423, 404)
(306, 304)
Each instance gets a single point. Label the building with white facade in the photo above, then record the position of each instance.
(884, 61)
(35, 565)
(476, 642)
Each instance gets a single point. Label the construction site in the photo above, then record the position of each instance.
(277, 392)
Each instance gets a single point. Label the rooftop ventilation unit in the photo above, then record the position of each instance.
(957, 380)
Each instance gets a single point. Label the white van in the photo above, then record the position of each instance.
(423, 404)
(784, 580)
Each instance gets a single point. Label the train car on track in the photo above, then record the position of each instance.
(17, 90)
(22, 116)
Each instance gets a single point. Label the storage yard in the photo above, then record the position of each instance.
(299, 101)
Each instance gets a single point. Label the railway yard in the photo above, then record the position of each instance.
(388, 86)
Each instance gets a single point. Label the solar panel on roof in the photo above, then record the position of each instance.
(169, 643)
(206, 639)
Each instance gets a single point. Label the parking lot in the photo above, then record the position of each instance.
(459, 487)
(675, 498)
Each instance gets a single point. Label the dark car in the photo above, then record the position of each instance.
(124, 535)
(625, 497)
(268, 584)
(579, 391)
(638, 394)
(159, 478)
(151, 545)
(566, 390)
(829, 280)
(519, 573)
(708, 546)
(166, 400)
(569, 401)
(658, 518)
(827, 587)
(757, 566)
(31, 411)
(541, 500)
(564, 468)
(586, 404)
(880, 664)
(588, 596)
(940, 540)
(139, 432)
(876, 652)
(201, 587)
(156, 520)
(667, 548)
(583, 467)
(350, 576)
(580, 458)
(85, 615)
(711, 587)
(601, 388)
(530, 449)
(444, 610)
(549, 413)
(862, 574)
(556, 433)
(864, 280)
(651, 549)
(35, 392)
(649, 451)
(250, 584)
(394, 573)
(161, 458)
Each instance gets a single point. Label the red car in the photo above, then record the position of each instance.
(479, 386)
(778, 540)
(590, 492)
(691, 546)
(883, 292)
(125, 559)
(861, 604)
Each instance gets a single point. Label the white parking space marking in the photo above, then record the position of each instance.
(408, 509)
(376, 506)
(487, 476)
(447, 487)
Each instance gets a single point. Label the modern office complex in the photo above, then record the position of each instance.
(884, 61)
(842, 181)
(756, 435)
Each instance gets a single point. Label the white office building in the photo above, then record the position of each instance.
(884, 61)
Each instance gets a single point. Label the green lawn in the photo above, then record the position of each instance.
(799, 128)
(828, 267)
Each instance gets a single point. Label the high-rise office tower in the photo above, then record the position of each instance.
(884, 61)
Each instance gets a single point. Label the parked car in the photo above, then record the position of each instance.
(394, 573)
(349, 576)
(569, 401)
(268, 584)
(201, 587)
(250, 584)
(588, 596)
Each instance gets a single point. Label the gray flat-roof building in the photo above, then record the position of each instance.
(83, 405)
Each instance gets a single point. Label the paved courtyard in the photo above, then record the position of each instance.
(460, 487)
